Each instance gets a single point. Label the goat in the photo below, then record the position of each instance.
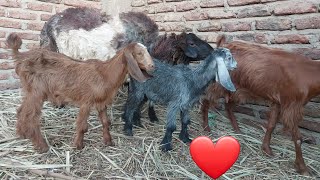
(85, 33)
(47, 75)
(178, 87)
(287, 80)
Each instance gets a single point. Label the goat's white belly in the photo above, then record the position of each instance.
(81, 44)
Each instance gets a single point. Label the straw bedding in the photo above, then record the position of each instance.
(136, 157)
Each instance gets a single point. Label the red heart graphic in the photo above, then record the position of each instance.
(214, 159)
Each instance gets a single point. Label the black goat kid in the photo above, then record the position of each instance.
(174, 49)
(179, 88)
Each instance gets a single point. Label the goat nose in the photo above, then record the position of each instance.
(151, 66)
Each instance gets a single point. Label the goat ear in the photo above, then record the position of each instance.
(221, 39)
(134, 69)
(223, 76)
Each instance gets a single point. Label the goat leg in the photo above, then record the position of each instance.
(152, 113)
(229, 108)
(170, 128)
(105, 128)
(81, 126)
(185, 121)
(28, 123)
(274, 114)
(299, 162)
(129, 112)
(137, 114)
(205, 110)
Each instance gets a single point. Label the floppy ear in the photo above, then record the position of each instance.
(223, 76)
(134, 69)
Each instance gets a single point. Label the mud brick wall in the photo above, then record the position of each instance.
(27, 17)
(292, 24)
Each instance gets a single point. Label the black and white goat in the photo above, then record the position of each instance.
(179, 88)
(85, 33)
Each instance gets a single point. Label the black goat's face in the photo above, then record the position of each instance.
(194, 47)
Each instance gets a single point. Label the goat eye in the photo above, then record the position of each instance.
(192, 44)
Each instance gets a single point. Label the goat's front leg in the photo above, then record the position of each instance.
(137, 114)
(129, 112)
(274, 114)
(81, 126)
(170, 127)
(185, 121)
(105, 128)
(229, 108)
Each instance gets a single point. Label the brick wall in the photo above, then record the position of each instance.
(27, 17)
(292, 24)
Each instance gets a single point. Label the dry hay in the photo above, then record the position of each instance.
(136, 157)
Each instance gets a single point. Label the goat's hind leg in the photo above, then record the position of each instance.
(292, 116)
(152, 113)
(185, 121)
(299, 163)
(105, 128)
(205, 104)
(81, 126)
(28, 123)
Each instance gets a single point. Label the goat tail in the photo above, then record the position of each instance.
(221, 39)
(14, 42)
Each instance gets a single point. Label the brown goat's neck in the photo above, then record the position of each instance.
(115, 69)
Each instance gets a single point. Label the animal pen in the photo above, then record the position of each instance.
(293, 25)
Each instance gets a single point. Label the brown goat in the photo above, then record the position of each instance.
(287, 80)
(47, 75)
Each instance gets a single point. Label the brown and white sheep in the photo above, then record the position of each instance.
(47, 75)
(287, 80)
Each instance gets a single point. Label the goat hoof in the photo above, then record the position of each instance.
(110, 143)
(186, 140)
(154, 119)
(128, 132)
(238, 131)
(22, 136)
(138, 124)
(303, 170)
(207, 129)
(267, 150)
(166, 147)
(78, 145)
(43, 149)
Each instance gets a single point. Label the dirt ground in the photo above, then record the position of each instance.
(137, 157)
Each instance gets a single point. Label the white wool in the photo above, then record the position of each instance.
(142, 45)
(94, 44)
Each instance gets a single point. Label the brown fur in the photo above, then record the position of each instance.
(46, 75)
(287, 80)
